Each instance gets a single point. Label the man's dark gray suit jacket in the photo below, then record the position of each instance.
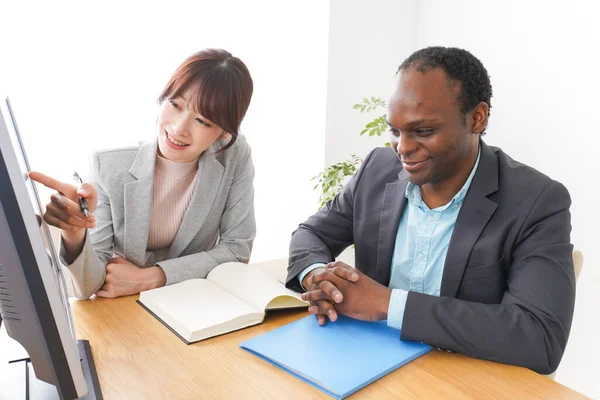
(508, 286)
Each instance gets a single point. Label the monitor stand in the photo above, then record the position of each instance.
(24, 384)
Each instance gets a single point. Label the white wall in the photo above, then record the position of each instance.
(543, 60)
(367, 43)
(86, 76)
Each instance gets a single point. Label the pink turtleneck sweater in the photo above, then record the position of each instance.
(174, 185)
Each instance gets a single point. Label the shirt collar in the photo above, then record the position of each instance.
(413, 192)
(175, 170)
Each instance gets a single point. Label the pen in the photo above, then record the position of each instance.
(82, 202)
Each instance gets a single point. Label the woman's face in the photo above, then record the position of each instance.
(184, 134)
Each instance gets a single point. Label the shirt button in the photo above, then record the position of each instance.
(420, 255)
(430, 218)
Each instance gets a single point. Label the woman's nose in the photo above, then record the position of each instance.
(180, 128)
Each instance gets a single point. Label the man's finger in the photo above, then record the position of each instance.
(312, 274)
(321, 319)
(332, 291)
(319, 277)
(324, 307)
(346, 272)
(329, 275)
(52, 183)
(315, 295)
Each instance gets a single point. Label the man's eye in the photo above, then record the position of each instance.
(394, 132)
(424, 132)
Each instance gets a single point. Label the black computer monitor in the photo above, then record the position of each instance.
(33, 299)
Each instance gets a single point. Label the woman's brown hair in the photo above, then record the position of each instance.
(219, 85)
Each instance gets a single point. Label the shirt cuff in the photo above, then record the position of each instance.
(307, 270)
(396, 308)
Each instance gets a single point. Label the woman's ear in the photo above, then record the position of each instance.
(225, 136)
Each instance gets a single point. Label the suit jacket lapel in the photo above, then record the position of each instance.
(138, 204)
(394, 202)
(475, 212)
(211, 173)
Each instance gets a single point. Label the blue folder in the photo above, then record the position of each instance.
(338, 358)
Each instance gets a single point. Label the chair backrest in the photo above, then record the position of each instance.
(577, 262)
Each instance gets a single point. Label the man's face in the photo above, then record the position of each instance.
(428, 131)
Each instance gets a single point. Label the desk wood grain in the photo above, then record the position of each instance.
(138, 358)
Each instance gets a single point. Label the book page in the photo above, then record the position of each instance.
(254, 286)
(195, 305)
(275, 268)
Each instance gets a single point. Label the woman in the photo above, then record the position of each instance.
(171, 209)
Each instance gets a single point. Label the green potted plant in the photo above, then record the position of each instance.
(333, 178)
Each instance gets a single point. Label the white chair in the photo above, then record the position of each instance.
(577, 262)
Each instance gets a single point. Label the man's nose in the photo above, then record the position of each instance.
(406, 145)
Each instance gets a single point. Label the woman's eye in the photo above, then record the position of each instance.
(202, 122)
(173, 104)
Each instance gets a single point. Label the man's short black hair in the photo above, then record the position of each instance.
(459, 65)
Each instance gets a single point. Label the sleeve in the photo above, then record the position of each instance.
(325, 234)
(307, 270)
(396, 308)
(87, 272)
(531, 325)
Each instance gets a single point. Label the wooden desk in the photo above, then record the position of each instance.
(138, 358)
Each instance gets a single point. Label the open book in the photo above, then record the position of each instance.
(233, 296)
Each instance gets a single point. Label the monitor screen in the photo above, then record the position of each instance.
(33, 306)
(25, 168)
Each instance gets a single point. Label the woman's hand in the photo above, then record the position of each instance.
(64, 213)
(124, 278)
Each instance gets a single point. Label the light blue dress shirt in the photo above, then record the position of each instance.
(421, 246)
(420, 250)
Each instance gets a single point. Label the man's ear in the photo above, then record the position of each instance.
(480, 117)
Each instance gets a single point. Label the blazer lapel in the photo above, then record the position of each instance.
(475, 212)
(394, 202)
(211, 173)
(138, 204)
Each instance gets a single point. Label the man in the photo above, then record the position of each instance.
(456, 244)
